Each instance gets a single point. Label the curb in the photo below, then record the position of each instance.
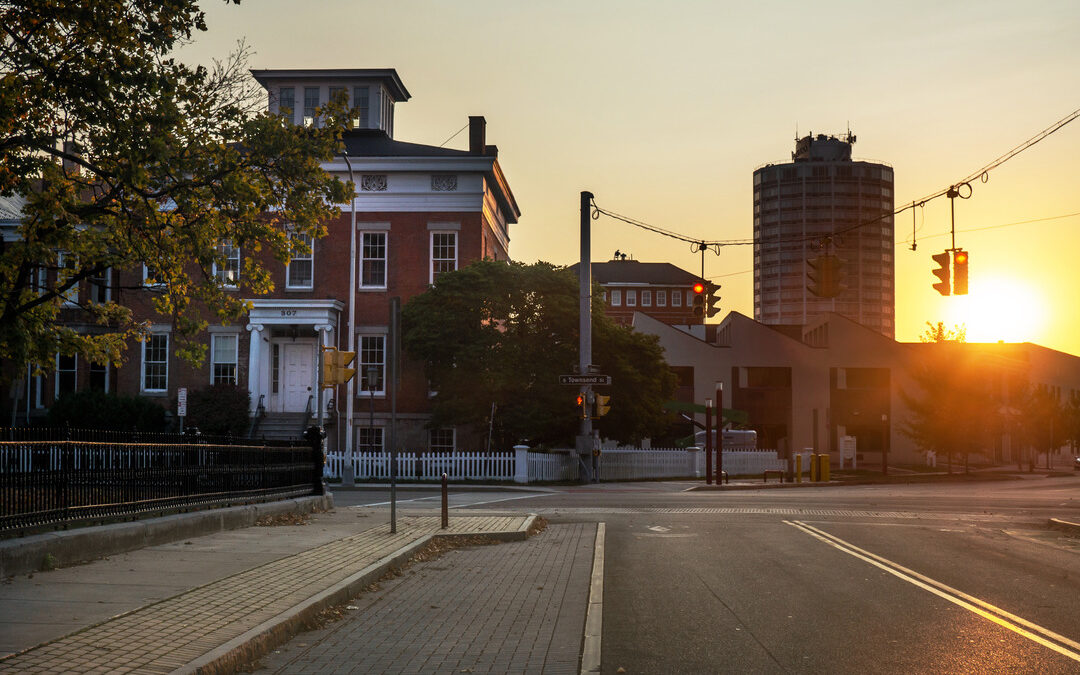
(69, 547)
(1065, 526)
(259, 641)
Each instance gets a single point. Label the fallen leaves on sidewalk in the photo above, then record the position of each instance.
(284, 519)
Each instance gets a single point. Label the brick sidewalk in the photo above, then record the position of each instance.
(517, 607)
(215, 624)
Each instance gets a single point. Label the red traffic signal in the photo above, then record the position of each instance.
(960, 272)
(699, 299)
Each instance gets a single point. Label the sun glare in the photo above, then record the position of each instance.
(999, 309)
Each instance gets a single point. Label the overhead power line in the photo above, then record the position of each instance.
(982, 174)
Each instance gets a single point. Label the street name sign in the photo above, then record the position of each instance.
(584, 379)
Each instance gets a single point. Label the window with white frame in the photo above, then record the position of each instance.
(333, 91)
(443, 253)
(300, 272)
(361, 105)
(287, 101)
(228, 271)
(369, 439)
(676, 298)
(646, 298)
(223, 349)
(441, 440)
(67, 374)
(616, 297)
(631, 298)
(311, 103)
(661, 298)
(372, 354)
(155, 362)
(100, 286)
(152, 277)
(66, 264)
(373, 260)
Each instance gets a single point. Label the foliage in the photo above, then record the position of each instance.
(952, 411)
(125, 156)
(502, 333)
(938, 333)
(89, 409)
(220, 409)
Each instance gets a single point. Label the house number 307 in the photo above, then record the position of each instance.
(288, 312)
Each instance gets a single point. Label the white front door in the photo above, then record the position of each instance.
(297, 375)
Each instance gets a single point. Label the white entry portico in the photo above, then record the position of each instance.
(283, 356)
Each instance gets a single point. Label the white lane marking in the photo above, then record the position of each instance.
(399, 501)
(594, 619)
(984, 609)
(493, 501)
(659, 528)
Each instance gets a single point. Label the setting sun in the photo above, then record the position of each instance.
(999, 308)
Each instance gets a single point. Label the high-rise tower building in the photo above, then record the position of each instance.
(823, 203)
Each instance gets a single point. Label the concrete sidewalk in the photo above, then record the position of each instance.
(210, 603)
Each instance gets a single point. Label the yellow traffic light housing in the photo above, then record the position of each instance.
(943, 274)
(603, 405)
(960, 272)
(335, 367)
(699, 299)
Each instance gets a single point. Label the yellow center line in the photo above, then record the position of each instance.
(979, 607)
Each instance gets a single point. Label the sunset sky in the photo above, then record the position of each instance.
(664, 110)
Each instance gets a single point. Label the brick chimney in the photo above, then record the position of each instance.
(477, 134)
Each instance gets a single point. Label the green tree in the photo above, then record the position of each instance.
(1043, 421)
(952, 410)
(126, 157)
(939, 333)
(498, 333)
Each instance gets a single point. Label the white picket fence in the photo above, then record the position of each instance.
(521, 466)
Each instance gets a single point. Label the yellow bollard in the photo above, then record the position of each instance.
(825, 468)
(813, 468)
(798, 468)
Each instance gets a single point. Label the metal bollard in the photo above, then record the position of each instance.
(445, 506)
(823, 459)
(798, 468)
(813, 468)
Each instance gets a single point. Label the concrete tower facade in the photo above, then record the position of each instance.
(824, 203)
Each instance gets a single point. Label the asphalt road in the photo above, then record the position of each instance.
(942, 578)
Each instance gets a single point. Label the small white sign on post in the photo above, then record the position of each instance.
(181, 402)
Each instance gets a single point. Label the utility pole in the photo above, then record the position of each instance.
(584, 441)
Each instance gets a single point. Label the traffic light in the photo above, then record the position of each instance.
(960, 272)
(942, 273)
(335, 367)
(603, 405)
(581, 406)
(825, 274)
(699, 299)
(711, 308)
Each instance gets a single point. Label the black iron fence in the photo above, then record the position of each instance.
(51, 477)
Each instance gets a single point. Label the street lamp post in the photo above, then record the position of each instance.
(350, 340)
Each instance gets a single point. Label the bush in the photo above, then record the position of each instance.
(98, 410)
(220, 409)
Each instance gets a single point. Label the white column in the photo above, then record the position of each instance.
(255, 365)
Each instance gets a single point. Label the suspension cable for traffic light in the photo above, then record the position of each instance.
(982, 174)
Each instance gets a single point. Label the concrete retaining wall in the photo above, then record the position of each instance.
(68, 547)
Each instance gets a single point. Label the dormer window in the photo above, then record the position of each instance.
(361, 104)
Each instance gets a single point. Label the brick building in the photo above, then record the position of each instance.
(420, 210)
(660, 290)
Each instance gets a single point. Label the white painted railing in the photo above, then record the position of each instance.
(522, 466)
